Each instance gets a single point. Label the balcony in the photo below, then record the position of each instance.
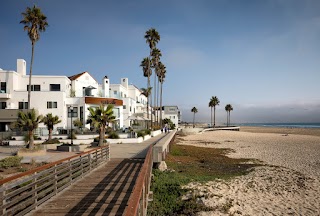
(4, 94)
(10, 115)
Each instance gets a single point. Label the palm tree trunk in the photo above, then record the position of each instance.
(211, 118)
(158, 120)
(150, 86)
(161, 105)
(30, 75)
(214, 116)
(194, 115)
(229, 117)
(31, 143)
(101, 136)
(155, 94)
(50, 134)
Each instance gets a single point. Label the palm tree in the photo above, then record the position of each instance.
(146, 92)
(100, 117)
(146, 67)
(228, 108)
(49, 120)
(194, 110)
(156, 54)
(152, 38)
(34, 22)
(162, 76)
(147, 72)
(214, 101)
(28, 121)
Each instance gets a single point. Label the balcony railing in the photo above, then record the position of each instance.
(5, 94)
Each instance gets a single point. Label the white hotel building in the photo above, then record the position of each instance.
(56, 94)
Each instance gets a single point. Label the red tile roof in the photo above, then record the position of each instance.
(77, 75)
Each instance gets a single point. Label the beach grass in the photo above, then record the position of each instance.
(191, 164)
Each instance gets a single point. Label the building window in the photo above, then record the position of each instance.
(3, 88)
(130, 108)
(34, 88)
(54, 87)
(115, 92)
(121, 94)
(3, 105)
(75, 112)
(81, 113)
(134, 110)
(52, 104)
(125, 95)
(23, 105)
(124, 107)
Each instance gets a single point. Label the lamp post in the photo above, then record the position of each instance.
(71, 110)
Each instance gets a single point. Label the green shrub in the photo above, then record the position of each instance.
(96, 139)
(141, 133)
(52, 141)
(165, 203)
(147, 131)
(113, 135)
(14, 161)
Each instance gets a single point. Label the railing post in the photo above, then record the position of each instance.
(55, 180)
(34, 189)
(3, 201)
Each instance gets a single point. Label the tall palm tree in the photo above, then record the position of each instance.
(194, 110)
(49, 120)
(146, 92)
(146, 67)
(156, 54)
(28, 121)
(214, 101)
(228, 108)
(34, 22)
(99, 118)
(152, 38)
(147, 72)
(162, 76)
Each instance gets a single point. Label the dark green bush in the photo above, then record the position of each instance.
(52, 141)
(14, 161)
(147, 131)
(113, 135)
(96, 139)
(170, 203)
(141, 133)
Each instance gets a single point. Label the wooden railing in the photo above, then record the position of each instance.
(138, 201)
(24, 192)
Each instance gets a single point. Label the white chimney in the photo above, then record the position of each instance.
(21, 67)
(124, 82)
(105, 87)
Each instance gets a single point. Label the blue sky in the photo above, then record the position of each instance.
(261, 56)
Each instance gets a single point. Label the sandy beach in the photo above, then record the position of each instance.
(286, 184)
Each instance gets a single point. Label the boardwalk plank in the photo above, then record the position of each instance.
(104, 191)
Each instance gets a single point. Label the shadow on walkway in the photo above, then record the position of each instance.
(105, 191)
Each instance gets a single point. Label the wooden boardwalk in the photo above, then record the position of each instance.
(105, 191)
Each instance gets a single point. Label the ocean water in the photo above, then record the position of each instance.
(287, 125)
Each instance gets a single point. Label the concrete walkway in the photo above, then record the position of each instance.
(128, 150)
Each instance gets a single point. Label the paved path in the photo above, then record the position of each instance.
(104, 191)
